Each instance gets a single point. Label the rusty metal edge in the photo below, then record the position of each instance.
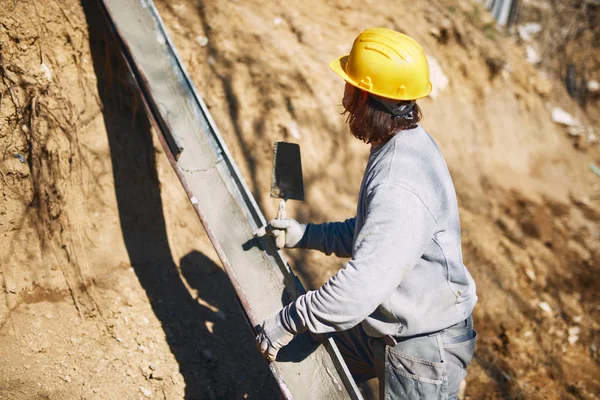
(163, 126)
(164, 137)
(152, 111)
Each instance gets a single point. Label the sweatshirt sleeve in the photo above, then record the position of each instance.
(398, 227)
(331, 237)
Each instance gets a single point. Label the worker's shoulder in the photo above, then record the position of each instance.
(409, 159)
(414, 145)
(418, 166)
(415, 156)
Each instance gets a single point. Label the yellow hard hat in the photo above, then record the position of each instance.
(386, 63)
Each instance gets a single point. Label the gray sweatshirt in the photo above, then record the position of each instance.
(406, 274)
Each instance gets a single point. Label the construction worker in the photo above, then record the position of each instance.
(400, 309)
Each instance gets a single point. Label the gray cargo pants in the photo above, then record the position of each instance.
(422, 367)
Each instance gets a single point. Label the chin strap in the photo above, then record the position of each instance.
(398, 108)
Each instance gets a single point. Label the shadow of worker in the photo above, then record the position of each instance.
(242, 370)
(142, 222)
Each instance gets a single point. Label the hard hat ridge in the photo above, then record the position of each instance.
(386, 63)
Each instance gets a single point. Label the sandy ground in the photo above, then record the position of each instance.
(110, 288)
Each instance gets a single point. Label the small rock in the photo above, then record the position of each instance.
(583, 132)
(562, 117)
(202, 40)
(527, 334)
(66, 378)
(293, 129)
(593, 86)
(439, 80)
(146, 392)
(152, 366)
(146, 372)
(577, 319)
(531, 55)
(47, 72)
(157, 375)
(545, 307)
(577, 130)
(572, 339)
(530, 274)
(574, 330)
(527, 31)
(277, 21)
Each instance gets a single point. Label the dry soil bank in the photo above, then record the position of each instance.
(110, 288)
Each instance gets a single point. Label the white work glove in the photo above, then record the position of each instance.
(294, 231)
(272, 336)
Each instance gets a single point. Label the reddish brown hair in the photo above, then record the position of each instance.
(368, 121)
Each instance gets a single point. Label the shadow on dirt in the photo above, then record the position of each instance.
(207, 335)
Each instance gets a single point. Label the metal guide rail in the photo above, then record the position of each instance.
(260, 275)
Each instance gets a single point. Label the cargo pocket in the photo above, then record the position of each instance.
(459, 352)
(461, 348)
(408, 377)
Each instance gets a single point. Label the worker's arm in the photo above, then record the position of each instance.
(330, 237)
(398, 227)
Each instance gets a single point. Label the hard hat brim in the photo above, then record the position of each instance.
(338, 66)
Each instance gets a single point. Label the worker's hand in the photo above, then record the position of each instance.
(294, 231)
(272, 336)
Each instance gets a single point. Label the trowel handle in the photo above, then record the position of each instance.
(281, 214)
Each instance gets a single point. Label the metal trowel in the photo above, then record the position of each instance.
(286, 180)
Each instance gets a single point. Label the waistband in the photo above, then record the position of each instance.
(456, 328)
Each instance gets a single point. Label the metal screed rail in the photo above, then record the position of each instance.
(260, 275)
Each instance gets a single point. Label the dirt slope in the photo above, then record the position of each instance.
(110, 286)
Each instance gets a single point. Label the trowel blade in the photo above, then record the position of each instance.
(286, 181)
